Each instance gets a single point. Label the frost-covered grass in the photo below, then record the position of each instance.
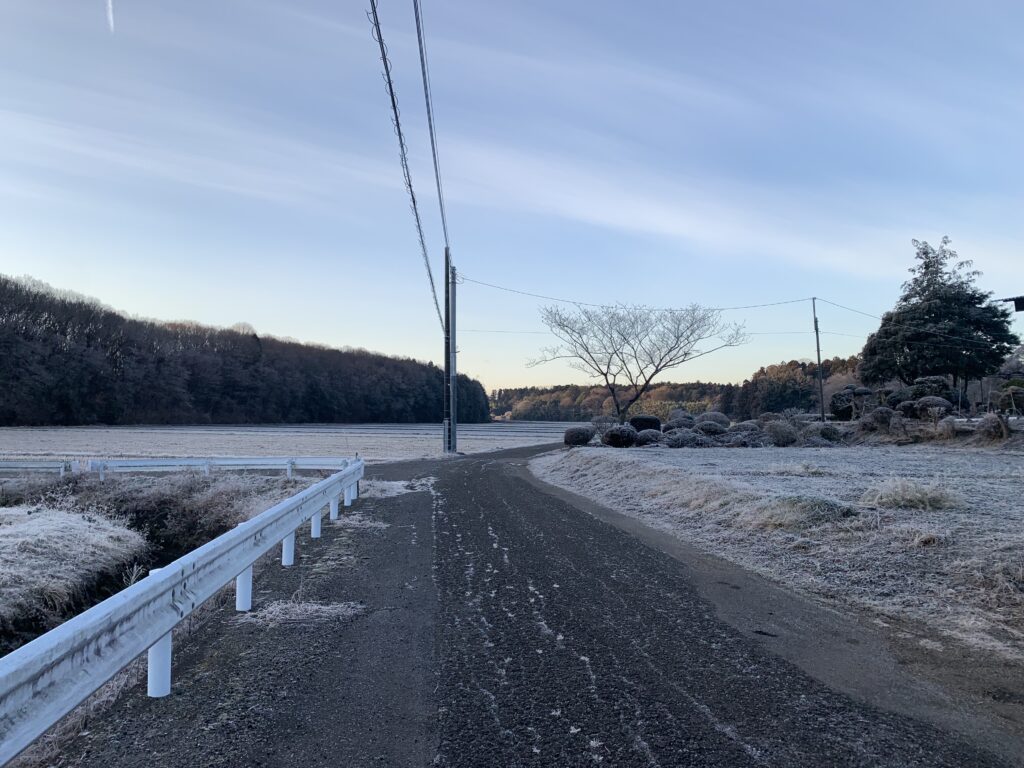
(65, 544)
(920, 532)
(50, 557)
(373, 442)
(386, 489)
(281, 612)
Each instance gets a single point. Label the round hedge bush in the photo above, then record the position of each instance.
(781, 433)
(745, 426)
(649, 436)
(678, 413)
(710, 428)
(619, 436)
(579, 435)
(907, 409)
(715, 416)
(643, 421)
(823, 430)
(680, 422)
(882, 415)
(767, 416)
(926, 405)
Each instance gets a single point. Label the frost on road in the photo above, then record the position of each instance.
(563, 641)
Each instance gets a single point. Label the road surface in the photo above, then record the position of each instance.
(504, 625)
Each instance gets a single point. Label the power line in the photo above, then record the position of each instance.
(403, 151)
(429, 99)
(612, 306)
(963, 339)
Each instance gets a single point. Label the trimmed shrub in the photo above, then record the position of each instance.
(894, 399)
(817, 442)
(678, 413)
(841, 405)
(681, 438)
(710, 428)
(781, 433)
(882, 416)
(931, 386)
(603, 423)
(642, 422)
(822, 430)
(767, 416)
(682, 422)
(649, 436)
(928, 407)
(867, 424)
(745, 426)
(619, 436)
(907, 409)
(579, 435)
(715, 416)
(897, 425)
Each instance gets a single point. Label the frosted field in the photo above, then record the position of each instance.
(373, 442)
(925, 533)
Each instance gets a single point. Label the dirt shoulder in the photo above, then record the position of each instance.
(334, 666)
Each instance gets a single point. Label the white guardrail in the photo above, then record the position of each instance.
(103, 466)
(289, 465)
(41, 466)
(45, 679)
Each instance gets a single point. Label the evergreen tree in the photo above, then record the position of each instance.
(942, 325)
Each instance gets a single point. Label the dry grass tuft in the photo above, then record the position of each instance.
(795, 513)
(300, 612)
(898, 492)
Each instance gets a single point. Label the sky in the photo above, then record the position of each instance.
(234, 161)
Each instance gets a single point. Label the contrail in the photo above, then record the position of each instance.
(110, 15)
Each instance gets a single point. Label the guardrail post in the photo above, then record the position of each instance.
(291, 468)
(206, 469)
(314, 524)
(355, 491)
(348, 495)
(288, 550)
(159, 659)
(243, 590)
(334, 508)
(103, 472)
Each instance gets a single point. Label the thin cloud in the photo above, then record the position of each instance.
(110, 15)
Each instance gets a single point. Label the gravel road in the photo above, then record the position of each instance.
(501, 625)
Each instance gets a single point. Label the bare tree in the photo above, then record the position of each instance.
(626, 347)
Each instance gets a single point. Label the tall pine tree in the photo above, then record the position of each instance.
(942, 325)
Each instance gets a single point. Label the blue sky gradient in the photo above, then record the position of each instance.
(234, 161)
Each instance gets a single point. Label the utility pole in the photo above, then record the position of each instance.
(453, 382)
(447, 423)
(817, 343)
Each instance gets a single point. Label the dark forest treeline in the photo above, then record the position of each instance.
(771, 388)
(67, 360)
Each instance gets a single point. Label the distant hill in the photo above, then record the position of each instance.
(67, 360)
(771, 388)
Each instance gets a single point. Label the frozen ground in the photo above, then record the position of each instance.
(373, 442)
(927, 533)
(49, 556)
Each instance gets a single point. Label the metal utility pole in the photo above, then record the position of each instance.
(453, 381)
(447, 422)
(817, 343)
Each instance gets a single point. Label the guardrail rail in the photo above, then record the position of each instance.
(46, 678)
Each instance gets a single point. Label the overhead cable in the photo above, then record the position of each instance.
(403, 151)
(612, 306)
(429, 99)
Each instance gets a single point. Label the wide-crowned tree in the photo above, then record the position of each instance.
(626, 347)
(942, 325)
